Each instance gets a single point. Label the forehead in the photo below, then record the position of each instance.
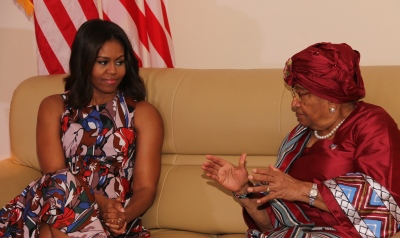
(111, 47)
(299, 87)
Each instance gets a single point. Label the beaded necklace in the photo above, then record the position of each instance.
(330, 133)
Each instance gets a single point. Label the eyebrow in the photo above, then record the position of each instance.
(105, 57)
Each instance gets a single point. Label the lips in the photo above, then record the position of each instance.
(111, 81)
(298, 114)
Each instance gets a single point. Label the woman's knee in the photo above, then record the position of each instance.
(47, 231)
(44, 231)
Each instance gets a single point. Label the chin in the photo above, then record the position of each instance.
(110, 90)
(303, 123)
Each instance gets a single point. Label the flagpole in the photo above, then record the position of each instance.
(100, 9)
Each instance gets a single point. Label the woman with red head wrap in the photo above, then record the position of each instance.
(329, 71)
(335, 174)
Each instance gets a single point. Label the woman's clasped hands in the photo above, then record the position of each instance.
(113, 215)
(271, 182)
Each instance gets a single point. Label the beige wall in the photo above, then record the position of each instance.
(17, 61)
(228, 34)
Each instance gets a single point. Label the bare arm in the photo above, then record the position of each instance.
(258, 213)
(150, 135)
(48, 141)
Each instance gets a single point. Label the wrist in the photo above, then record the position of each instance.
(242, 196)
(242, 192)
(99, 198)
(313, 194)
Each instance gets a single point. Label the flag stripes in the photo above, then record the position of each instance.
(144, 21)
(147, 27)
(87, 7)
(61, 19)
(45, 51)
(119, 14)
(157, 31)
(56, 22)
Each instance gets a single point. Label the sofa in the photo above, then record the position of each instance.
(224, 112)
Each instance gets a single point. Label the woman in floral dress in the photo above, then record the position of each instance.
(98, 144)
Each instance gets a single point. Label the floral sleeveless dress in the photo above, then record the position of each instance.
(99, 147)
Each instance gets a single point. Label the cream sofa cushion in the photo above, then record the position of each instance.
(218, 111)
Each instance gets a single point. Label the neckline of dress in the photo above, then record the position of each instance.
(115, 98)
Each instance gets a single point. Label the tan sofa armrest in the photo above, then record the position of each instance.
(12, 184)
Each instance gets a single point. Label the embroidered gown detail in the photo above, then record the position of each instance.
(356, 177)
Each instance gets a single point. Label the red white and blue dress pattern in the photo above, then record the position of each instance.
(99, 147)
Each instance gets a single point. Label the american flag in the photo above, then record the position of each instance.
(56, 23)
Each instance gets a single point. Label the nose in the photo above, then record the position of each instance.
(111, 69)
(295, 104)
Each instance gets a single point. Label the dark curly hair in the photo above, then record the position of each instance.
(88, 41)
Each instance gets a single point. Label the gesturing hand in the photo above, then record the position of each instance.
(225, 173)
(277, 183)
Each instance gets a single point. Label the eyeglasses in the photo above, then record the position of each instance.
(297, 95)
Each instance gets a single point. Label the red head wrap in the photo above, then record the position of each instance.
(329, 71)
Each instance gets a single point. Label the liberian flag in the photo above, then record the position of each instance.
(56, 23)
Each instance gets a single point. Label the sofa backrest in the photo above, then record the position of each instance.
(23, 115)
(223, 112)
(220, 112)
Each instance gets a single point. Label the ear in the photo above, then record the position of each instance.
(332, 107)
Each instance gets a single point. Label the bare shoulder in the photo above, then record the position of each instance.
(52, 100)
(144, 107)
(146, 113)
(52, 104)
(48, 137)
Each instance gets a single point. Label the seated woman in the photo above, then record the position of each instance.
(98, 144)
(335, 174)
